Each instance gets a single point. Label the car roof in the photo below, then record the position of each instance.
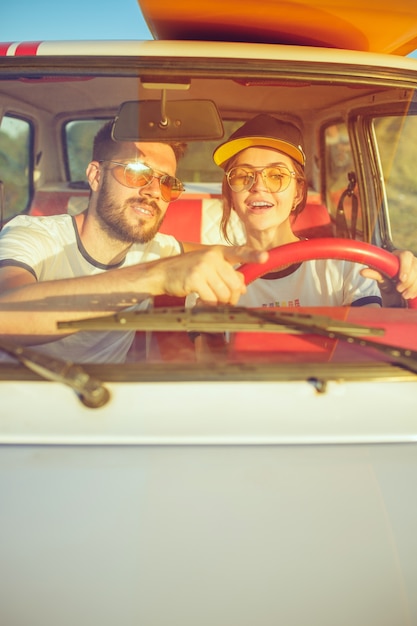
(202, 49)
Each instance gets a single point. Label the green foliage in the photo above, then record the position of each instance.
(79, 142)
(14, 165)
(397, 141)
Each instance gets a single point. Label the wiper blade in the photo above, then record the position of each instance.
(401, 356)
(91, 391)
(227, 318)
(216, 319)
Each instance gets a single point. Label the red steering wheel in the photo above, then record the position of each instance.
(327, 248)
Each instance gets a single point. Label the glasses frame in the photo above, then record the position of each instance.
(260, 170)
(162, 178)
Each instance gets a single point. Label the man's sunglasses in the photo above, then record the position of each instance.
(136, 174)
(275, 178)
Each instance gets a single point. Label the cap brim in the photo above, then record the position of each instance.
(229, 149)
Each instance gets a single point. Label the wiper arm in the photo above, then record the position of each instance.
(91, 391)
(227, 318)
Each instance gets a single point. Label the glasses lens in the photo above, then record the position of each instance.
(132, 174)
(240, 178)
(171, 188)
(137, 175)
(276, 178)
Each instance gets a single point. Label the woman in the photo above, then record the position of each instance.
(266, 185)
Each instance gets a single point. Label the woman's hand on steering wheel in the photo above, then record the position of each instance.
(406, 285)
(400, 267)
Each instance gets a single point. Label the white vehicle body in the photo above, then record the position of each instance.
(252, 491)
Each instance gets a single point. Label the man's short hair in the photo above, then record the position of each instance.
(105, 148)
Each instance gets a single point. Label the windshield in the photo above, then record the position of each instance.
(354, 182)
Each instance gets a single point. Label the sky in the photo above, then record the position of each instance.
(34, 20)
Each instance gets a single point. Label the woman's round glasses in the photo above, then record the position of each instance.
(275, 178)
(136, 174)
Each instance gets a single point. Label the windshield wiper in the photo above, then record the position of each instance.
(216, 319)
(401, 356)
(233, 319)
(91, 391)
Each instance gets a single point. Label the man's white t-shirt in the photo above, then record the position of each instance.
(50, 248)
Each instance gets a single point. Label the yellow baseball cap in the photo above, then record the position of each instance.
(265, 131)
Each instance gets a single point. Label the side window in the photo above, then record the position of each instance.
(15, 165)
(397, 145)
(79, 137)
(342, 198)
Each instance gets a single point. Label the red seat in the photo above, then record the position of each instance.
(191, 218)
(183, 220)
(314, 221)
(54, 202)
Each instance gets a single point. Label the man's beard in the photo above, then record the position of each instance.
(113, 220)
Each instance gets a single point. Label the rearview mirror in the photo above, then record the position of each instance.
(175, 120)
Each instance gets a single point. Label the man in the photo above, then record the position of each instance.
(60, 267)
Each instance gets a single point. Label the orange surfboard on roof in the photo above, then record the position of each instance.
(382, 26)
